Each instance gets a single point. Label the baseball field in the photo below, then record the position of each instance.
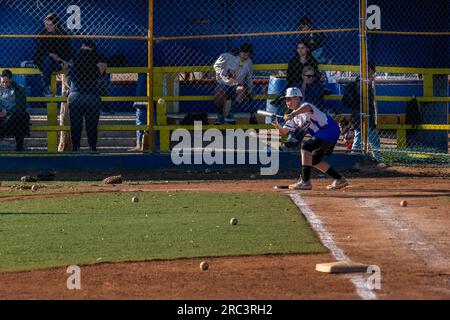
(151, 248)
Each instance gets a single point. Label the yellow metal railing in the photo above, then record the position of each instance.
(387, 122)
(52, 128)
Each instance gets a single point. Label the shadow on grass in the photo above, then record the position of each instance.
(32, 214)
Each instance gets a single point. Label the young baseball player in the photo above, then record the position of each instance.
(324, 132)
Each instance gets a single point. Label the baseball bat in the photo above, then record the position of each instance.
(267, 113)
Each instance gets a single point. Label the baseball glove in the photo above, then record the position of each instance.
(113, 180)
(295, 138)
(46, 176)
(28, 179)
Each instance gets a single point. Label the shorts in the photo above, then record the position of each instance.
(319, 148)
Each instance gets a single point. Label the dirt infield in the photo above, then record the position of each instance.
(411, 245)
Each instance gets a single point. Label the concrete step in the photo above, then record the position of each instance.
(109, 122)
(101, 134)
(104, 142)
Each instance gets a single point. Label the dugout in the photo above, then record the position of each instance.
(189, 33)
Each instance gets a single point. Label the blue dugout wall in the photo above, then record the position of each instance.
(205, 17)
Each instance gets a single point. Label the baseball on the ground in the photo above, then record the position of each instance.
(233, 221)
(34, 187)
(161, 101)
(404, 203)
(204, 265)
(135, 199)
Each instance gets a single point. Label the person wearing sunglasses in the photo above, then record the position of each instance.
(312, 88)
(301, 59)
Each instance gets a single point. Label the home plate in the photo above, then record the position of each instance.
(344, 266)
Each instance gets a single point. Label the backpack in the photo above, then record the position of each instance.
(413, 117)
(413, 114)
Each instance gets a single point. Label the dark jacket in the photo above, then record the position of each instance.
(17, 120)
(351, 100)
(59, 46)
(21, 100)
(314, 93)
(84, 74)
(295, 69)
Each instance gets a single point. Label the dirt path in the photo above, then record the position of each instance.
(411, 246)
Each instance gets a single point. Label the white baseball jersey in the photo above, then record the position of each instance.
(316, 124)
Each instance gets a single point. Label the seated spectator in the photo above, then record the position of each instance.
(296, 65)
(234, 74)
(141, 109)
(312, 88)
(51, 52)
(14, 118)
(314, 40)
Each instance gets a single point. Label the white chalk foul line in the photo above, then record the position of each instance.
(405, 232)
(360, 283)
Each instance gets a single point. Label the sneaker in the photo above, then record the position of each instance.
(338, 184)
(48, 93)
(230, 119)
(28, 64)
(219, 119)
(301, 185)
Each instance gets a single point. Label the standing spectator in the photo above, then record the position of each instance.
(301, 59)
(84, 98)
(352, 101)
(14, 118)
(50, 52)
(234, 74)
(312, 88)
(141, 109)
(314, 40)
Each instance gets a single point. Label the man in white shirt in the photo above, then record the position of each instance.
(234, 74)
(324, 132)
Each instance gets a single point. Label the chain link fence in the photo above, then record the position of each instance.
(57, 52)
(219, 62)
(412, 83)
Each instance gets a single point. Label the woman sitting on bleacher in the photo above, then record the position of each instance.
(14, 118)
(312, 88)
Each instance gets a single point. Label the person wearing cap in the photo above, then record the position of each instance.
(14, 118)
(50, 52)
(234, 75)
(84, 98)
(324, 132)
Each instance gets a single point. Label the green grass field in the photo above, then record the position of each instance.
(86, 229)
